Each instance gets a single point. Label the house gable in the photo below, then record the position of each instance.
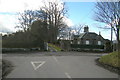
(93, 39)
(89, 38)
(88, 41)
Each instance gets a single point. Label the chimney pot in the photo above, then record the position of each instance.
(86, 29)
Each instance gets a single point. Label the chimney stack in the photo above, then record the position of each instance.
(86, 29)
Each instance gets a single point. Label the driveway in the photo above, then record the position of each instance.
(57, 65)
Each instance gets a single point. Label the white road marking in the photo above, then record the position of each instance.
(68, 76)
(55, 59)
(39, 62)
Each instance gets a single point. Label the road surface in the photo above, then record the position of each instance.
(57, 65)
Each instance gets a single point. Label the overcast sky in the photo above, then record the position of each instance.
(79, 13)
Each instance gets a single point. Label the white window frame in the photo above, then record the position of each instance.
(87, 42)
(99, 43)
(78, 42)
(71, 42)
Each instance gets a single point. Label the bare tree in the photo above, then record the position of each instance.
(65, 33)
(108, 13)
(51, 14)
(55, 13)
(68, 32)
(25, 19)
(77, 29)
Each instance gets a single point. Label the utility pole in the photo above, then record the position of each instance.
(118, 39)
(111, 37)
(118, 35)
(111, 33)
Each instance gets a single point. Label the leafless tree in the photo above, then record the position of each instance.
(108, 13)
(55, 13)
(25, 19)
(65, 33)
(78, 29)
(68, 32)
(51, 14)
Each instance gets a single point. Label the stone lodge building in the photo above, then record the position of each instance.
(88, 41)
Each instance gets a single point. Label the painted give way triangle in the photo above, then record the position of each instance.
(37, 64)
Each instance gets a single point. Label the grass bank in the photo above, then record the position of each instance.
(111, 62)
(111, 59)
(54, 46)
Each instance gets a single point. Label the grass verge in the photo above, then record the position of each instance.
(54, 46)
(110, 61)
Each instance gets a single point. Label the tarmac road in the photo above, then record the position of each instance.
(57, 65)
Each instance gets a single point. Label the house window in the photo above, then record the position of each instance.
(99, 42)
(78, 42)
(87, 42)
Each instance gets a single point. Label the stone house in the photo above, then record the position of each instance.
(65, 45)
(88, 41)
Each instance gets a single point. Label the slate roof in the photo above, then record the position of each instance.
(76, 36)
(92, 35)
(81, 35)
(87, 33)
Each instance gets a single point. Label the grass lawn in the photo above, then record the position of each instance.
(112, 59)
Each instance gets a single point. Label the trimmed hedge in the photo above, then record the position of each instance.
(23, 45)
(87, 46)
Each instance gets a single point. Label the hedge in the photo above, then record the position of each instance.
(23, 44)
(87, 46)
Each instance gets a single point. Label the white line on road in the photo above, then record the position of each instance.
(40, 64)
(68, 76)
(55, 59)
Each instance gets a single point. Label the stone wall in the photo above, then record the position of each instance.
(65, 45)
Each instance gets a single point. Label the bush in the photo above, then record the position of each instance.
(22, 40)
